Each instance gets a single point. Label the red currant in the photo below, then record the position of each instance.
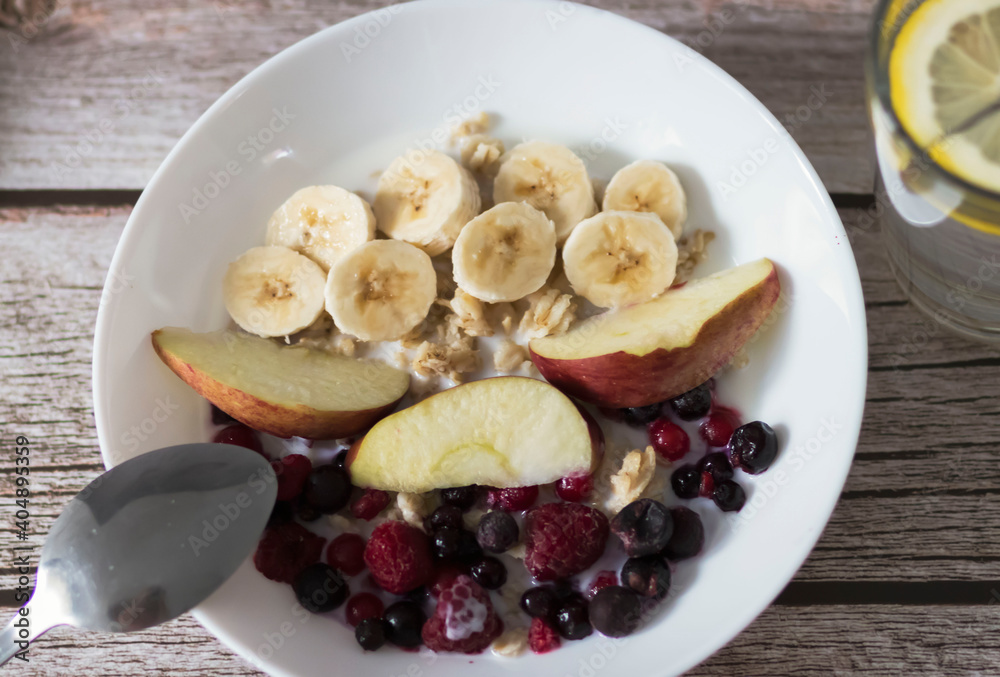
(668, 439)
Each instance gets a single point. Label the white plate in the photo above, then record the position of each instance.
(338, 106)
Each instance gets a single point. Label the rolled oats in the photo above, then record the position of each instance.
(550, 313)
(509, 357)
(627, 485)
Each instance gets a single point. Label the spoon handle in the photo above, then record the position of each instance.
(23, 629)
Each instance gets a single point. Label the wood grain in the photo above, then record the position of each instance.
(96, 95)
(825, 640)
(916, 511)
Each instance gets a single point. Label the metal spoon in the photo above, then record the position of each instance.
(147, 541)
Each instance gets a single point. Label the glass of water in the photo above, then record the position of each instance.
(933, 93)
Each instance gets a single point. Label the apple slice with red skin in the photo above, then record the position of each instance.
(508, 431)
(282, 390)
(650, 352)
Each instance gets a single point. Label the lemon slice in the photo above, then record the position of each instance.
(944, 78)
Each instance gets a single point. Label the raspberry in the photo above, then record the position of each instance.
(513, 499)
(443, 578)
(602, 580)
(464, 620)
(292, 471)
(283, 552)
(542, 638)
(563, 539)
(370, 504)
(346, 552)
(363, 605)
(399, 557)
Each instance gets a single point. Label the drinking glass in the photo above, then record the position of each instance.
(941, 232)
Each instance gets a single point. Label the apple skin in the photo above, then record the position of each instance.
(277, 420)
(597, 441)
(621, 379)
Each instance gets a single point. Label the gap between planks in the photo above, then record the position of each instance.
(128, 197)
(831, 593)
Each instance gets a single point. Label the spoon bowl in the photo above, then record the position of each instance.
(147, 541)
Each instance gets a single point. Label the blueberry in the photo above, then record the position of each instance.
(418, 595)
(649, 576)
(572, 618)
(283, 512)
(539, 602)
(461, 497)
(688, 537)
(328, 489)
(220, 417)
(717, 465)
(340, 460)
(497, 531)
(563, 588)
(693, 404)
(489, 572)
(445, 516)
(445, 542)
(643, 526)
(639, 416)
(729, 496)
(370, 633)
(616, 611)
(320, 588)
(753, 447)
(468, 548)
(686, 481)
(404, 620)
(306, 512)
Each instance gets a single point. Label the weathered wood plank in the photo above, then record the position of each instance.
(936, 640)
(827, 640)
(97, 95)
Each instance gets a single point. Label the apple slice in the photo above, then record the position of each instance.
(282, 390)
(508, 431)
(650, 352)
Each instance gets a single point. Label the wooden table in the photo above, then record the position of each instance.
(93, 97)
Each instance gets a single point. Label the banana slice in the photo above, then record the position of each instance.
(273, 291)
(505, 253)
(381, 290)
(620, 258)
(648, 186)
(425, 198)
(549, 177)
(322, 222)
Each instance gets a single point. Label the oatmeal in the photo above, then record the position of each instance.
(470, 314)
(413, 508)
(629, 483)
(691, 250)
(551, 313)
(510, 357)
(511, 643)
(477, 124)
(481, 154)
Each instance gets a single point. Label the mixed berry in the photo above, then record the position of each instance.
(428, 583)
